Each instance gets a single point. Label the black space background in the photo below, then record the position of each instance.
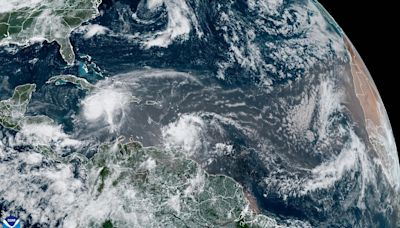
(373, 28)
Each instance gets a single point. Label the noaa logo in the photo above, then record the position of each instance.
(11, 222)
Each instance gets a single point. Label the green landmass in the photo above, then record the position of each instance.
(177, 191)
(103, 175)
(12, 110)
(80, 82)
(107, 224)
(52, 20)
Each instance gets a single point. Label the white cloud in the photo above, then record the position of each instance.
(12, 5)
(180, 20)
(106, 104)
(94, 30)
(44, 134)
(185, 133)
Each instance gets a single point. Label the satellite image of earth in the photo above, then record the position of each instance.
(189, 113)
